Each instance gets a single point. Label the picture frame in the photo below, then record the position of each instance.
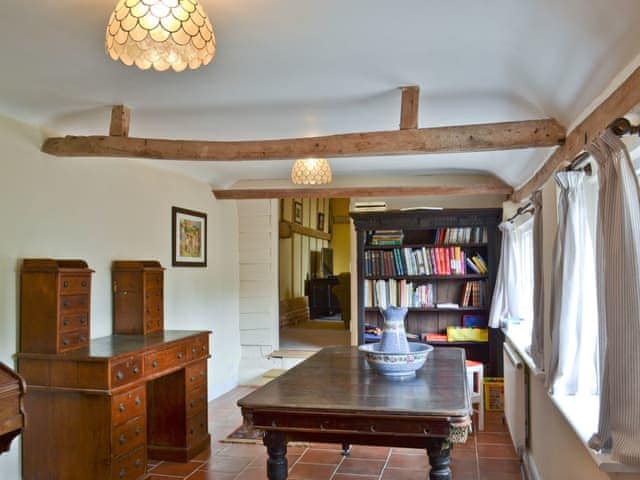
(320, 225)
(188, 238)
(297, 212)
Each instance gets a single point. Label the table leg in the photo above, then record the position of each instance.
(277, 467)
(439, 459)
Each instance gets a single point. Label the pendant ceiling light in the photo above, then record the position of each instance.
(311, 171)
(160, 34)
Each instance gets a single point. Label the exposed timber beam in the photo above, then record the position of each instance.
(618, 104)
(347, 192)
(465, 138)
(409, 107)
(120, 116)
(286, 229)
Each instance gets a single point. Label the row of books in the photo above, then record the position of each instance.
(448, 236)
(382, 293)
(474, 294)
(381, 238)
(422, 261)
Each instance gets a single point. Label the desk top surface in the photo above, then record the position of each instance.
(118, 345)
(339, 379)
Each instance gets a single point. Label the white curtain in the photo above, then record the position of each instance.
(505, 303)
(573, 358)
(618, 259)
(537, 330)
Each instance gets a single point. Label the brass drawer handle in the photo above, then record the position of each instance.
(122, 473)
(65, 303)
(192, 378)
(372, 428)
(180, 355)
(65, 322)
(138, 401)
(122, 439)
(65, 284)
(83, 320)
(136, 370)
(119, 375)
(138, 431)
(83, 283)
(83, 339)
(65, 342)
(154, 364)
(193, 350)
(138, 463)
(122, 408)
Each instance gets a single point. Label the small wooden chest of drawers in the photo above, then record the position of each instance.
(138, 297)
(55, 303)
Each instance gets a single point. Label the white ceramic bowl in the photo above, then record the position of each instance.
(396, 364)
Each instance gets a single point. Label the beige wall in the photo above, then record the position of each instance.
(105, 209)
(295, 252)
(340, 236)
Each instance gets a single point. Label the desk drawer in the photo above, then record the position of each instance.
(196, 374)
(75, 284)
(197, 427)
(69, 322)
(196, 400)
(126, 371)
(199, 347)
(153, 279)
(156, 362)
(128, 405)
(72, 340)
(128, 436)
(130, 466)
(74, 303)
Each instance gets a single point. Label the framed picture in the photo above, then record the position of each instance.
(188, 238)
(297, 212)
(320, 221)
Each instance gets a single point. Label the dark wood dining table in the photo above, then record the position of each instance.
(336, 397)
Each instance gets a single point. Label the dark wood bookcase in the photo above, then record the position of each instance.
(419, 229)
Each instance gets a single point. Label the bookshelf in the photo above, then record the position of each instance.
(440, 264)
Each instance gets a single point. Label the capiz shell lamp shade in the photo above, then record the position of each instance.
(160, 34)
(311, 171)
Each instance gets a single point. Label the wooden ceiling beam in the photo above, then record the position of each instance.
(409, 107)
(349, 192)
(618, 104)
(120, 117)
(465, 138)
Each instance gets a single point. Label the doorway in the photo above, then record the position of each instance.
(314, 273)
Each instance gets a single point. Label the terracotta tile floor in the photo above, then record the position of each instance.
(487, 455)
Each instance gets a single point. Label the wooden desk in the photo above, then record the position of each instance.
(12, 389)
(98, 412)
(335, 397)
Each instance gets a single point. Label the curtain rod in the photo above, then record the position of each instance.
(526, 208)
(620, 126)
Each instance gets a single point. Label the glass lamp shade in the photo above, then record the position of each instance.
(311, 171)
(160, 34)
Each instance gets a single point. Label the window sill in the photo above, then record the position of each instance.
(580, 412)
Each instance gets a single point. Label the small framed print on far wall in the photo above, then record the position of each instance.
(320, 225)
(188, 238)
(297, 211)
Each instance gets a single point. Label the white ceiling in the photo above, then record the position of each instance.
(288, 68)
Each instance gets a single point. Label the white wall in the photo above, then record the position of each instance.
(105, 209)
(258, 241)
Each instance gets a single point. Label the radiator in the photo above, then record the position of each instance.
(515, 398)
